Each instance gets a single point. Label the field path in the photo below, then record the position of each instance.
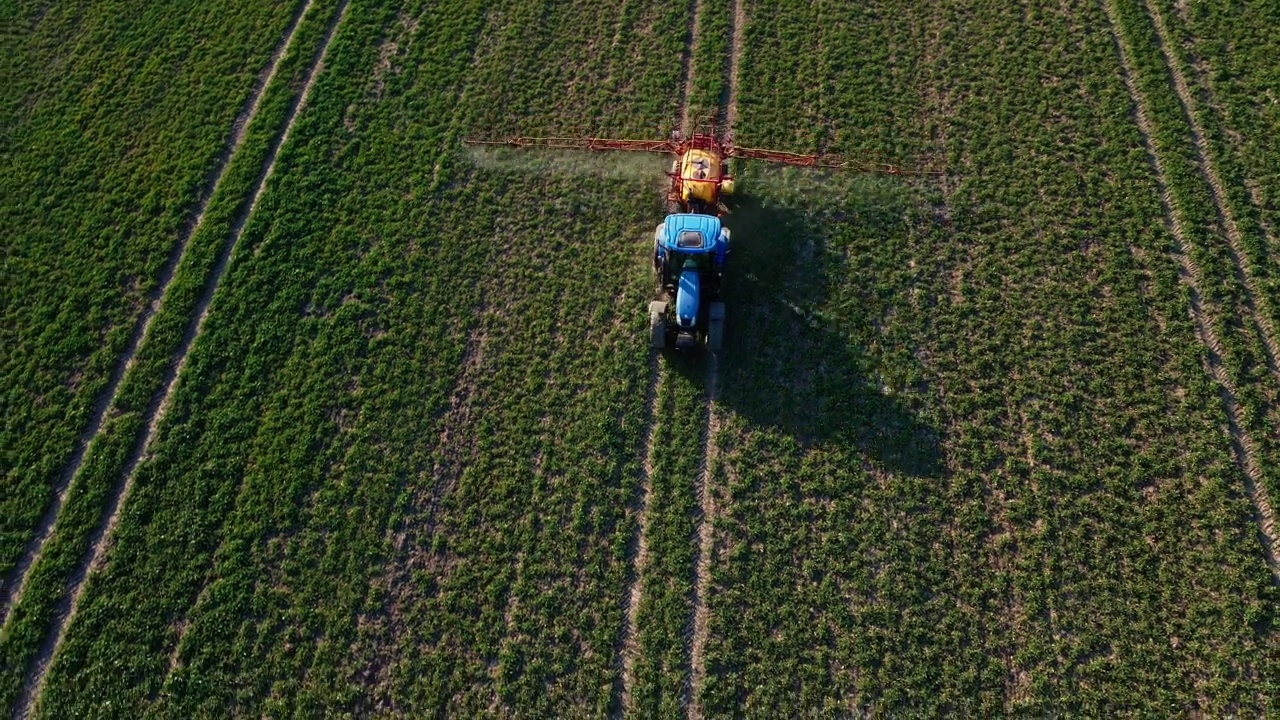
(702, 560)
(706, 499)
(691, 40)
(93, 561)
(638, 550)
(1204, 161)
(1204, 78)
(622, 700)
(1242, 444)
(12, 587)
(736, 41)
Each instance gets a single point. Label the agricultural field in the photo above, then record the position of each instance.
(310, 409)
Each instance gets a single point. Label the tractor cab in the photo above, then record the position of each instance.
(688, 258)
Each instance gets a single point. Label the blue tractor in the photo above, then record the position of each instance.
(688, 257)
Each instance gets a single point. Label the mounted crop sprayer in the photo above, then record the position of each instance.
(691, 245)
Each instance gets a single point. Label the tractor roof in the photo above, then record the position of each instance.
(691, 233)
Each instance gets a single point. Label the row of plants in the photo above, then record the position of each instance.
(115, 119)
(972, 459)
(664, 622)
(397, 469)
(1227, 53)
(100, 475)
(708, 59)
(1257, 389)
(1239, 163)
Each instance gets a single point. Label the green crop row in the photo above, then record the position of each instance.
(972, 459)
(115, 125)
(798, 59)
(101, 474)
(1238, 328)
(395, 470)
(1235, 162)
(1234, 47)
(190, 502)
(664, 620)
(708, 62)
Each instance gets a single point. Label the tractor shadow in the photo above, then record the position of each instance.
(787, 366)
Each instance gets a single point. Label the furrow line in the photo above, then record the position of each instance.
(621, 700)
(1203, 77)
(1242, 445)
(695, 13)
(737, 32)
(637, 554)
(93, 561)
(12, 587)
(702, 561)
(1235, 242)
(710, 451)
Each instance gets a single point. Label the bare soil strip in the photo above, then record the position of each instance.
(11, 589)
(621, 700)
(702, 562)
(737, 32)
(1204, 160)
(710, 452)
(33, 685)
(1242, 445)
(686, 63)
(638, 554)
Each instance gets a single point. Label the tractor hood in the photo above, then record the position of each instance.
(687, 298)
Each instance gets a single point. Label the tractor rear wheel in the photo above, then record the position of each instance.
(657, 325)
(715, 327)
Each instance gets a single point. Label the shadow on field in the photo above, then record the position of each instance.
(789, 368)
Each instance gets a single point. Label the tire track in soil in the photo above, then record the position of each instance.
(203, 311)
(686, 63)
(11, 590)
(1204, 78)
(1242, 445)
(700, 619)
(637, 552)
(702, 560)
(1204, 161)
(621, 701)
(94, 560)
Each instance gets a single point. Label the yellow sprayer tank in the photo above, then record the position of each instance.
(700, 176)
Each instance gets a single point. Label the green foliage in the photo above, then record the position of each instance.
(325, 410)
(113, 123)
(973, 461)
(969, 459)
